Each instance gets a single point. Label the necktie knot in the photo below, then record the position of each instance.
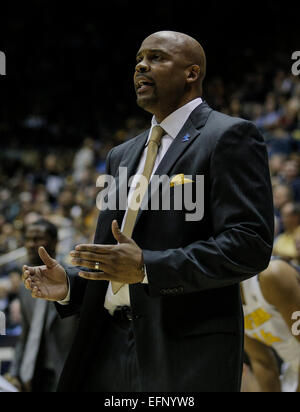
(156, 135)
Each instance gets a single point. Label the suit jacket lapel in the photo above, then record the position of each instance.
(191, 130)
(177, 148)
(130, 161)
(133, 154)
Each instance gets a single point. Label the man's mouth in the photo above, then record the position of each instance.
(143, 86)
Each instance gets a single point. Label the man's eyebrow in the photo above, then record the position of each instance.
(151, 51)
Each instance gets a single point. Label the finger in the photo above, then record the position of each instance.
(25, 275)
(30, 273)
(36, 293)
(92, 257)
(48, 261)
(28, 269)
(95, 276)
(28, 284)
(89, 265)
(118, 235)
(95, 248)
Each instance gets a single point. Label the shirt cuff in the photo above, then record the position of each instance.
(67, 300)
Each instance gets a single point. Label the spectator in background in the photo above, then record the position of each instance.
(271, 115)
(280, 143)
(235, 108)
(46, 340)
(53, 179)
(282, 195)
(11, 302)
(84, 159)
(290, 175)
(276, 163)
(285, 243)
(289, 119)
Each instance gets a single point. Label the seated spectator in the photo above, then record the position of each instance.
(280, 142)
(9, 288)
(285, 243)
(276, 163)
(282, 195)
(84, 159)
(290, 175)
(271, 115)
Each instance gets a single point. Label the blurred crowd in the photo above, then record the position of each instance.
(59, 183)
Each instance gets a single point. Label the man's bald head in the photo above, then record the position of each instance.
(184, 45)
(170, 70)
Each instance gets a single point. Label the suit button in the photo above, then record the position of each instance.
(180, 290)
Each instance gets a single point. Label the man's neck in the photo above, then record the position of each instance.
(160, 116)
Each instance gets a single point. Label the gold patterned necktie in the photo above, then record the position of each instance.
(154, 144)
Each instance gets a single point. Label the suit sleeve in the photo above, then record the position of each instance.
(77, 291)
(242, 213)
(77, 284)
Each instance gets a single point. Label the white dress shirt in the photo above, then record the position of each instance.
(172, 126)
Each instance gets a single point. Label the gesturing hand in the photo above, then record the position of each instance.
(47, 282)
(122, 263)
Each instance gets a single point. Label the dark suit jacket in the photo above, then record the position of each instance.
(58, 333)
(188, 321)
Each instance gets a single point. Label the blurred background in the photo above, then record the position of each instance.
(68, 98)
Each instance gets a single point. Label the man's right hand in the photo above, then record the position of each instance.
(49, 282)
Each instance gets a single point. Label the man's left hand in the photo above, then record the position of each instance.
(122, 263)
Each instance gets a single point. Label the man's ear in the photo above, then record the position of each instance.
(193, 73)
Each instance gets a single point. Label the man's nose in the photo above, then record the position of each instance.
(142, 67)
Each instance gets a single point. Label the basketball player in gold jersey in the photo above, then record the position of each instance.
(271, 301)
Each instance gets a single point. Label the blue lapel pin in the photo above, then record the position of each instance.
(186, 138)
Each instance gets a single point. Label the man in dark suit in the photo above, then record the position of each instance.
(159, 298)
(46, 339)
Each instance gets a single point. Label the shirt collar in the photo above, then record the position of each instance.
(176, 120)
